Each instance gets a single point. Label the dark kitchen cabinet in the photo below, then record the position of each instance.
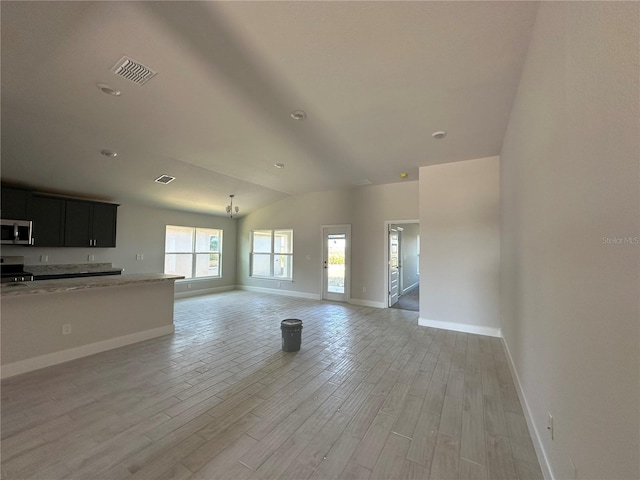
(105, 217)
(15, 203)
(48, 216)
(90, 224)
(60, 221)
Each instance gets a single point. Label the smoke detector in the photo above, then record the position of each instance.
(439, 135)
(133, 70)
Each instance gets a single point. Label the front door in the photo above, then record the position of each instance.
(394, 276)
(336, 241)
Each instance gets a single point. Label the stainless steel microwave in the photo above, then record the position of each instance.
(16, 232)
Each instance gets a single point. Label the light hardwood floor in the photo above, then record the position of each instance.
(370, 396)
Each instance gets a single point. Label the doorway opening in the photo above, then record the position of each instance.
(403, 264)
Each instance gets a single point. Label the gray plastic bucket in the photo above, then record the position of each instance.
(291, 334)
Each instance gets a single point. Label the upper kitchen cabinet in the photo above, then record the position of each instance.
(15, 203)
(48, 216)
(90, 224)
(105, 218)
(61, 221)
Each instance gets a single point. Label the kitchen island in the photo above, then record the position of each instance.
(53, 321)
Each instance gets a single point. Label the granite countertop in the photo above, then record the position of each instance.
(74, 268)
(83, 283)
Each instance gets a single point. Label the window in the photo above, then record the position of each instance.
(193, 252)
(272, 254)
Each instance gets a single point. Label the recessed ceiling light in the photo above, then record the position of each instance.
(109, 153)
(164, 179)
(439, 135)
(298, 115)
(278, 165)
(104, 88)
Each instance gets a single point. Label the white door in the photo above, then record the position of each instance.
(394, 277)
(336, 241)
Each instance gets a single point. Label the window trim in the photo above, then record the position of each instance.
(271, 254)
(195, 253)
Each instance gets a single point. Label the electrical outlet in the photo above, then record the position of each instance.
(139, 256)
(364, 289)
(279, 284)
(66, 329)
(188, 286)
(550, 425)
(91, 258)
(44, 258)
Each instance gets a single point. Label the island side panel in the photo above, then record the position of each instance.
(100, 319)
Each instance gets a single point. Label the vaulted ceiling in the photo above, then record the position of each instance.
(375, 79)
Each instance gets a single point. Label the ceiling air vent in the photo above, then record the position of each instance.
(133, 70)
(164, 179)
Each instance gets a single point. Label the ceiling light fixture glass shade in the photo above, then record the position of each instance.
(231, 210)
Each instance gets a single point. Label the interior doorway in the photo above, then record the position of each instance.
(403, 261)
(336, 262)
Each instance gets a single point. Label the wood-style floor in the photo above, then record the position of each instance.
(370, 396)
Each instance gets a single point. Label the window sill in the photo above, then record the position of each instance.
(198, 279)
(288, 280)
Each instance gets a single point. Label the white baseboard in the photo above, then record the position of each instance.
(461, 327)
(405, 290)
(203, 291)
(537, 442)
(275, 291)
(35, 363)
(366, 303)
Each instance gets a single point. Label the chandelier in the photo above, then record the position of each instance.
(231, 210)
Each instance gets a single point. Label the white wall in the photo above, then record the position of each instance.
(372, 207)
(460, 246)
(141, 230)
(365, 208)
(304, 214)
(569, 173)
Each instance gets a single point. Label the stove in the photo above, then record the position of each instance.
(12, 270)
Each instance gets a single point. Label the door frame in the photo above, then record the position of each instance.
(387, 224)
(347, 283)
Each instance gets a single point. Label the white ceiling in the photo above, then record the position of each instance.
(375, 78)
